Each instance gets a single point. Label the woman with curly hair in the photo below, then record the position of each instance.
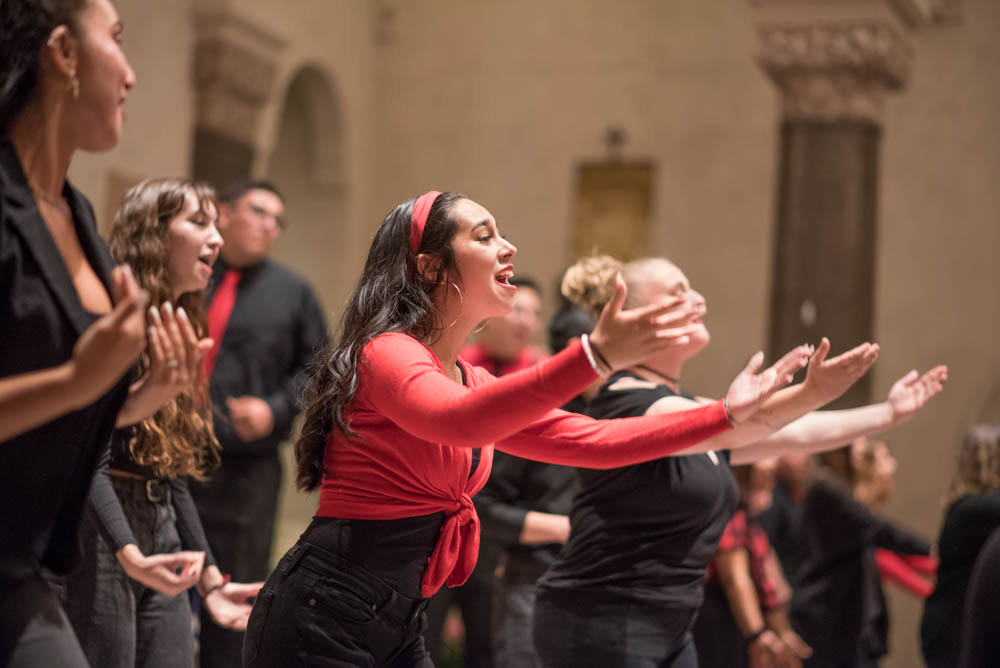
(972, 514)
(143, 542)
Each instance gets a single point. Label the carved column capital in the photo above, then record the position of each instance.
(836, 59)
(234, 73)
(835, 70)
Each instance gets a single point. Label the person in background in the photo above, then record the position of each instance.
(743, 620)
(72, 324)
(525, 509)
(838, 605)
(267, 324)
(505, 344)
(972, 513)
(980, 640)
(143, 544)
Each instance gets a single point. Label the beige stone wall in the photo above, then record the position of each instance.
(503, 100)
(938, 276)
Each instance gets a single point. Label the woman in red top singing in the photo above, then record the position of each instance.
(399, 434)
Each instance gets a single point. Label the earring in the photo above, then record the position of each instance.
(74, 85)
(461, 301)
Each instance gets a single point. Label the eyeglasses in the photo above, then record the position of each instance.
(280, 221)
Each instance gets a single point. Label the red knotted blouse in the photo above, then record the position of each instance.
(415, 428)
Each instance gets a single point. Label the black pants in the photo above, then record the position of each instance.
(475, 600)
(34, 630)
(716, 635)
(583, 629)
(120, 622)
(237, 509)
(319, 609)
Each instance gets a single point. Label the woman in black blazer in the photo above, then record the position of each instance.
(71, 325)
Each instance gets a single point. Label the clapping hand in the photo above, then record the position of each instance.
(175, 353)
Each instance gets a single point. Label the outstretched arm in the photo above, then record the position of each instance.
(818, 431)
(825, 380)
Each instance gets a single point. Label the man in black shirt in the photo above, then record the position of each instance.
(267, 325)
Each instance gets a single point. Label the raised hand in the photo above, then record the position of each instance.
(111, 345)
(827, 379)
(175, 355)
(169, 574)
(627, 337)
(230, 604)
(750, 389)
(911, 392)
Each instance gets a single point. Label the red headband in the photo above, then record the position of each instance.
(418, 219)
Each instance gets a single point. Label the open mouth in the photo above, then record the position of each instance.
(207, 260)
(503, 277)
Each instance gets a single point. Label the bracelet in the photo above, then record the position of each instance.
(747, 641)
(732, 421)
(589, 352)
(600, 358)
(212, 588)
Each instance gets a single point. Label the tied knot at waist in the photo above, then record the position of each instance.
(462, 510)
(454, 556)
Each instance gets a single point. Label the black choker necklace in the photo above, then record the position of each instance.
(664, 376)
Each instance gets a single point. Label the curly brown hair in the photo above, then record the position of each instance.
(178, 439)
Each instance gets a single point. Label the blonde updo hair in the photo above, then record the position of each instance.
(590, 283)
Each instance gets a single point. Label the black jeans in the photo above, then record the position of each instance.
(237, 509)
(583, 629)
(34, 630)
(319, 609)
(512, 643)
(120, 622)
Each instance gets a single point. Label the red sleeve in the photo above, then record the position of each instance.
(570, 439)
(402, 379)
(734, 536)
(894, 569)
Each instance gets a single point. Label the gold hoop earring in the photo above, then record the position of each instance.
(461, 302)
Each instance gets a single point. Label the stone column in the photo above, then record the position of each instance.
(234, 72)
(834, 62)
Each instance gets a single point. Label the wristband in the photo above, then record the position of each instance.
(589, 352)
(747, 641)
(732, 421)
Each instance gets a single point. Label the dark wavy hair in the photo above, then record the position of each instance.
(24, 27)
(391, 296)
(178, 439)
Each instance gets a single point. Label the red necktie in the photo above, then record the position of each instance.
(218, 315)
